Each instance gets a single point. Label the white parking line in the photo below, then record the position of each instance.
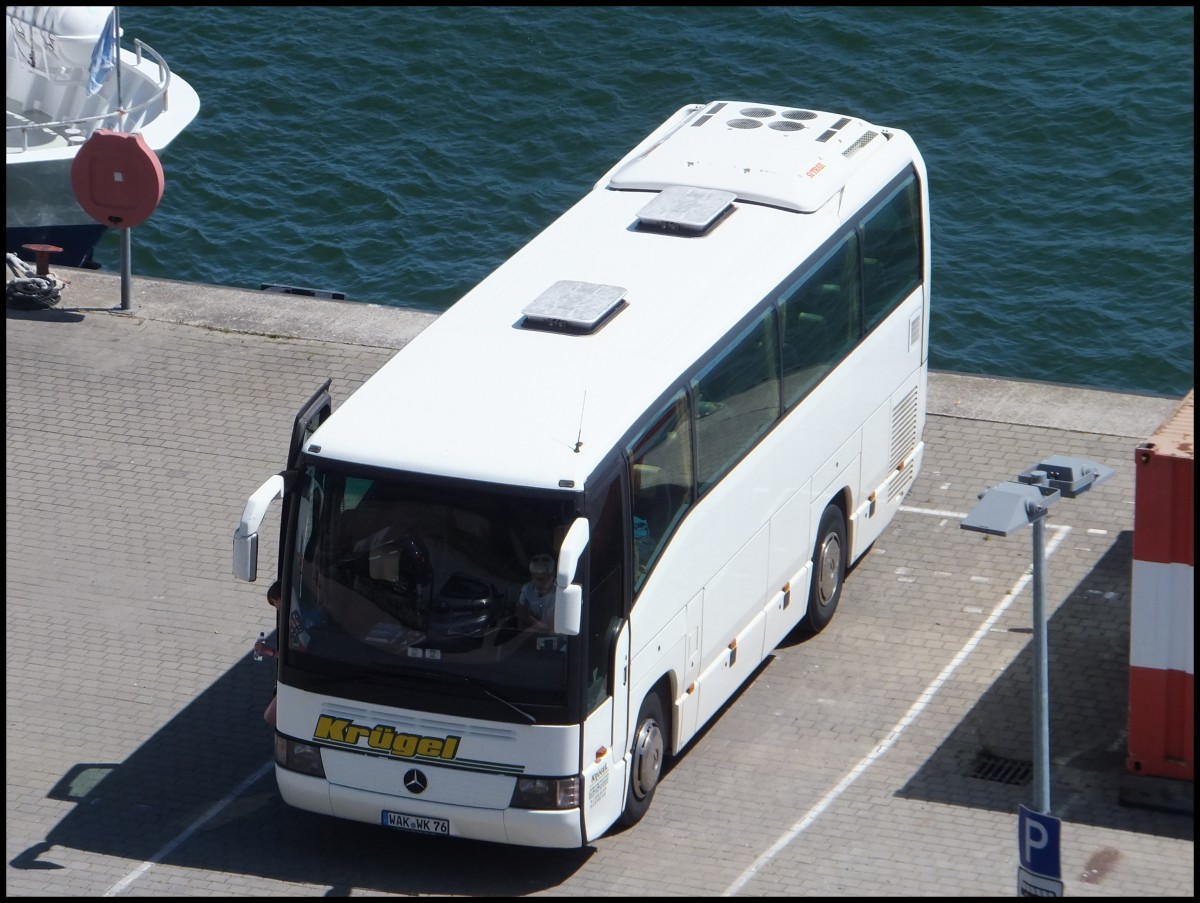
(189, 831)
(932, 512)
(1060, 533)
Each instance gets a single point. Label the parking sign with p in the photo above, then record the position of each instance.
(1040, 874)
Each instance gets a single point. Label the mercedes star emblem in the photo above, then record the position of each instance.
(415, 781)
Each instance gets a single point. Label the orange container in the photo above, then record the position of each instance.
(1161, 636)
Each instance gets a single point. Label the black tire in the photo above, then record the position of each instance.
(648, 755)
(829, 571)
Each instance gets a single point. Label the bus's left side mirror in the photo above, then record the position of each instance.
(245, 556)
(245, 537)
(568, 595)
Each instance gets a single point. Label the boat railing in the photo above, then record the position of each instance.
(75, 131)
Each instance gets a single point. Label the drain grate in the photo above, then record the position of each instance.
(1002, 770)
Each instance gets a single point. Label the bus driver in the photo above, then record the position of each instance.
(535, 608)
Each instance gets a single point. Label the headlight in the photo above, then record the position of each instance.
(296, 756)
(546, 793)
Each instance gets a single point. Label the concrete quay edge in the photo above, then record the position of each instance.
(994, 399)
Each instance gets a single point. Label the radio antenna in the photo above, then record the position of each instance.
(579, 438)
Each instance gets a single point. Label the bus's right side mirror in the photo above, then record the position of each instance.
(568, 595)
(245, 537)
(568, 609)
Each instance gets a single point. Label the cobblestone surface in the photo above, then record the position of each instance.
(137, 759)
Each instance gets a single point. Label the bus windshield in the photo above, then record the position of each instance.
(437, 585)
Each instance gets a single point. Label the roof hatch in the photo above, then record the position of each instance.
(686, 210)
(578, 308)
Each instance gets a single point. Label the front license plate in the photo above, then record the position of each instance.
(422, 824)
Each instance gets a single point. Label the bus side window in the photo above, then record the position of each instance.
(661, 480)
(737, 399)
(892, 252)
(820, 320)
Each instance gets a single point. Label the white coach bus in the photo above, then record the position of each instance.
(693, 400)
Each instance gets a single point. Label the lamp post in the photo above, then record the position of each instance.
(1005, 509)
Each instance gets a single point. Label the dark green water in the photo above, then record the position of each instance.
(399, 155)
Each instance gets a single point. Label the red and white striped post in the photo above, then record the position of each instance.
(1161, 638)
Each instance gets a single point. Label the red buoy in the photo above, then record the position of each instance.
(117, 178)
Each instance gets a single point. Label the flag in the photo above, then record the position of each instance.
(104, 56)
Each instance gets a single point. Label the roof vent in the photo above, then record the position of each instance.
(685, 210)
(859, 143)
(576, 308)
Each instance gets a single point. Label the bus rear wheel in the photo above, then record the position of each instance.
(829, 571)
(647, 755)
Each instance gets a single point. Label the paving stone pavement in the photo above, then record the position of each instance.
(137, 760)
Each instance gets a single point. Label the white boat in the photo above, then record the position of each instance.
(50, 114)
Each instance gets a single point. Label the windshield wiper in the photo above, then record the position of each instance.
(474, 683)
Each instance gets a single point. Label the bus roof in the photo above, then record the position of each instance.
(534, 375)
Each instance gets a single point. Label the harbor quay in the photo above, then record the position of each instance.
(887, 756)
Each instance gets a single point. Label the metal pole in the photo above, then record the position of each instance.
(126, 269)
(1041, 677)
(126, 237)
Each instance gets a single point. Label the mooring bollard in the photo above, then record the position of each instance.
(43, 253)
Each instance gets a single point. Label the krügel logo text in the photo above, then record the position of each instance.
(345, 732)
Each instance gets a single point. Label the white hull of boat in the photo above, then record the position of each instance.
(50, 116)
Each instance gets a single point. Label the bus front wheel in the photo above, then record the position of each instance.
(647, 756)
(829, 570)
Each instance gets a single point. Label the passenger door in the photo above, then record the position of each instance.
(605, 740)
(606, 651)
